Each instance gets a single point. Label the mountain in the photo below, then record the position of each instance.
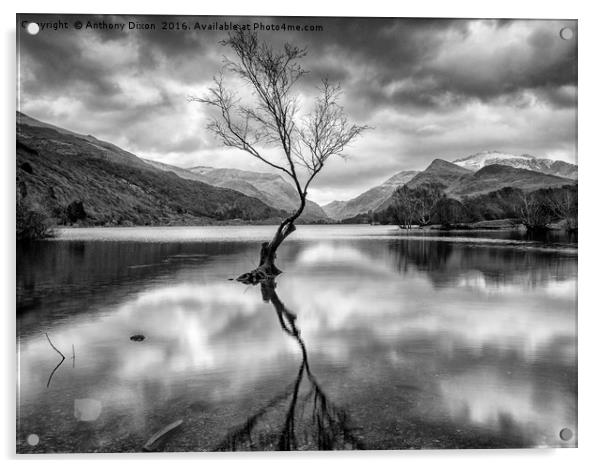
(459, 182)
(478, 161)
(438, 172)
(270, 188)
(496, 176)
(369, 200)
(78, 177)
(466, 177)
(51, 136)
(335, 208)
(247, 188)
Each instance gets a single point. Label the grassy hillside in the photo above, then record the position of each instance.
(439, 172)
(460, 183)
(271, 189)
(76, 178)
(370, 199)
(496, 177)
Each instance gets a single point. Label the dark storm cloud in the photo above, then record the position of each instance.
(429, 87)
(411, 69)
(543, 61)
(394, 49)
(408, 53)
(60, 60)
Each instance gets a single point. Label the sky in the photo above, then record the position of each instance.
(427, 88)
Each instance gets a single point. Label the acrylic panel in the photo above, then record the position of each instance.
(295, 233)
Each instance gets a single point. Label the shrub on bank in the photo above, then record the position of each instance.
(31, 224)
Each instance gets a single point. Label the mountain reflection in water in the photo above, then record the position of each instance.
(413, 343)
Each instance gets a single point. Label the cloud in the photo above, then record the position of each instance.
(428, 87)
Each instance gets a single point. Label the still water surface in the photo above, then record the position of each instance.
(370, 339)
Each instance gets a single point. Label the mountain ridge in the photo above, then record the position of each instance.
(272, 189)
(439, 172)
(446, 173)
(368, 200)
(57, 167)
(481, 159)
(497, 176)
(225, 192)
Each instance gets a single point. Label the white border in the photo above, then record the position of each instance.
(590, 171)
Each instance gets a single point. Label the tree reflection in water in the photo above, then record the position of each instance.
(311, 420)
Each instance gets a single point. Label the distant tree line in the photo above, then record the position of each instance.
(427, 204)
(416, 205)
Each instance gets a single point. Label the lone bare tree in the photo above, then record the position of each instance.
(306, 142)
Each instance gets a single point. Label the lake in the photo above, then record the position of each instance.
(372, 338)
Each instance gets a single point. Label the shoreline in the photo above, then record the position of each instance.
(488, 225)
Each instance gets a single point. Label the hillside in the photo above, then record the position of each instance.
(56, 167)
(497, 176)
(480, 160)
(458, 182)
(438, 172)
(369, 200)
(270, 188)
(249, 190)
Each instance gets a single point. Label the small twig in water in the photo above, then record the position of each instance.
(58, 365)
(53, 371)
(152, 442)
(54, 347)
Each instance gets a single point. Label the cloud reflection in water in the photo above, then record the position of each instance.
(423, 345)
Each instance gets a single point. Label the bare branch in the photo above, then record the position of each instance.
(272, 120)
(231, 132)
(326, 132)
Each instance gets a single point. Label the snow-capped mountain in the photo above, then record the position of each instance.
(466, 177)
(478, 161)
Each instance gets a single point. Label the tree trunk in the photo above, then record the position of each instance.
(267, 268)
